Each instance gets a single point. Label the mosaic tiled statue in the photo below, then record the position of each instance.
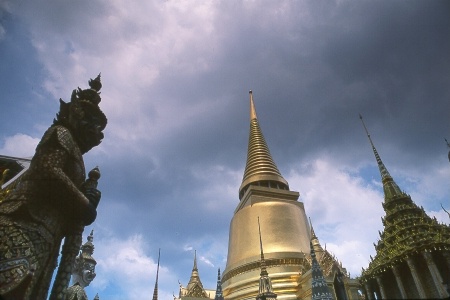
(51, 200)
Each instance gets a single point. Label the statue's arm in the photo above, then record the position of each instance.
(48, 164)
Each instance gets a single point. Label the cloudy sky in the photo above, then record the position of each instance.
(176, 76)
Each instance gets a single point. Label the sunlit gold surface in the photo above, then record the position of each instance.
(285, 234)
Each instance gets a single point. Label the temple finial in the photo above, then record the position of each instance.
(195, 260)
(384, 172)
(252, 107)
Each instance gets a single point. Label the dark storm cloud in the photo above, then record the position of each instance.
(315, 68)
(384, 60)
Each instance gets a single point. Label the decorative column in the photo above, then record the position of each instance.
(380, 285)
(368, 291)
(399, 282)
(437, 278)
(415, 276)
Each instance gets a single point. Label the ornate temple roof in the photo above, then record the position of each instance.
(407, 228)
(260, 167)
(195, 286)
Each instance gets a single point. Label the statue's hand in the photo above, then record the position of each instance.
(90, 213)
(93, 196)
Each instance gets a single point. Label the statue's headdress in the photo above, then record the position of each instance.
(81, 103)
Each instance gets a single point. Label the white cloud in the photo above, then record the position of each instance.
(206, 261)
(131, 44)
(188, 248)
(19, 145)
(345, 211)
(125, 268)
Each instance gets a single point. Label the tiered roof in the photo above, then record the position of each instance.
(407, 228)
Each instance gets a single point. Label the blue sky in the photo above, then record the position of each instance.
(176, 76)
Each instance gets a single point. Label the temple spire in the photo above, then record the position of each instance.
(390, 188)
(219, 293)
(260, 168)
(265, 284)
(319, 289)
(155, 291)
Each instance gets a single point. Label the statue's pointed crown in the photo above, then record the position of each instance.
(81, 102)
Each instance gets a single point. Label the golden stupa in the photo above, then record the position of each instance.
(264, 193)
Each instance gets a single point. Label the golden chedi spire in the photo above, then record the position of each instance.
(264, 193)
(260, 168)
